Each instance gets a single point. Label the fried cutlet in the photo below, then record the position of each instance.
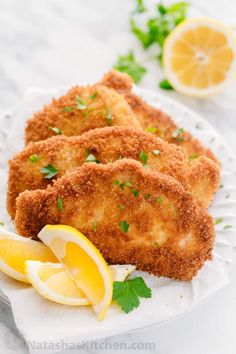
(106, 145)
(159, 228)
(153, 119)
(79, 110)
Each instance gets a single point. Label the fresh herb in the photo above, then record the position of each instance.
(49, 171)
(109, 117)
(116, 183)
(221, 185)
(56, 130)
(165, 85)
(80, 104)
(121, 207)
(127, 293)
(67, 109)
(140, 8)
(135, 192)
(34, 158)
(91, 158)
(95, 226)
(193, 156)
(94, 95)
(147, 196)
(124, 226)
(1, 223)
(151, 130)
(128, 64)
(156, 244)
(159, 200)
(227, 227)
(88, 111)
(156, 152)
(177, 134)
(60, 206)
(218, 221)
(122, 185)
(143, 158)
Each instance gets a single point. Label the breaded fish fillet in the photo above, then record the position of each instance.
(106, 145)
(154, 120)
(79, 110)
(159, 228)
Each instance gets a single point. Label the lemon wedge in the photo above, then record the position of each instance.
(83, 261)
(15, 250)
(199, 57)
(53, 282)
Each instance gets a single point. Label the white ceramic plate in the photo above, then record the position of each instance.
(170, 298)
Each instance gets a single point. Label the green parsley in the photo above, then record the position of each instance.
(91, 158)
(147, 196)
(140, 8)
(226, 227)
(124, 226)
(135, 192)
(156, 244)
(122, 185)
(34, 158)
(80, 104)
(56, 130)
(177, 134)
(165, 85)
(88, 111)
(193, 156)
(67, 109)
(95, 226)
(151, 129)
(127, 293)
(156, 152)
(94, 95)
(159, 200)
(128, 64)
(60, 206)
(49, 171)
(143, 158)
(1, 223)
(121, 207)
(218, 221)
(221, 185)
(109, 117)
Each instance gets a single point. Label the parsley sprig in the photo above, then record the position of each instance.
(127, 293)
(49, 171)
(128, 64)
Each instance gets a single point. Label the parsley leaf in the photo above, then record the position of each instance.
(109, 117)
(49, 171)
(218, 221)
(151, 129)
(135, 192)
(94, 95)
(56, 130)
(91, 158)
(177, 134)
(67, 109)
(165, 85)
(1, 223)
(140, 8)
(80, 103)
(143, 158)
(34, 158)
(95, 226)
(128, 64)
(193, 156)
(60, 206)
(226, 227)
(121, 207)
(124, 226)
(159, 200)
(127, 293)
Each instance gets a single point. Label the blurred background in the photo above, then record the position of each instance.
(52, 43)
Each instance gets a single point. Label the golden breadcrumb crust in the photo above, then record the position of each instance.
(168, 233)
(79, 110)
(107, 145)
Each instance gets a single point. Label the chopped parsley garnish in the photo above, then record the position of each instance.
(88, 111)
(159, 200)
(227, 227)
(128, 64)
(140, 8)
(121, 207)
(177, 134)
(156, 244)
(60, 206)
(151, 130)
(91, 158)
(80, 104)
(124, 226)
(143, 158)
(221, 185)
(156, 152)
(127, 293)
(68, 109)
(94, 95)
(95, 226)
(148, 196)
(1, 223)
(34, 158)
(218, 221)
(56, 130)
(193, 156)
(122, 185)
(49, 171)
(165, 85)
(109, 117)
(135, 192)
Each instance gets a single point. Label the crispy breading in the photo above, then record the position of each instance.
(153, 118)
(160, 228)
(79, 110)
(107, 145)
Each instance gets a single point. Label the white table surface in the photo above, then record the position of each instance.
(50, 43)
